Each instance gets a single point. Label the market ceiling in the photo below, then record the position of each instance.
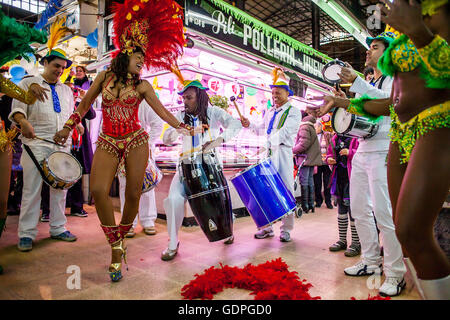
(294, 17)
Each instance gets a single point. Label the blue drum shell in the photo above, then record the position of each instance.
(264, 193)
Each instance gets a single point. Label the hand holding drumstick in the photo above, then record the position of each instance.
(244, 121)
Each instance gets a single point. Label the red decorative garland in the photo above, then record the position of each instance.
(268, 281)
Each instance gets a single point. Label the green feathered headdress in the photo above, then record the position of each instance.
(15, 38)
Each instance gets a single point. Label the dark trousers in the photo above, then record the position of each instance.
(323, 175)
(74, 198)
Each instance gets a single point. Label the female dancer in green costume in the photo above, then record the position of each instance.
(419, 154)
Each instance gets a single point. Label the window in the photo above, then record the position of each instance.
(34, 6)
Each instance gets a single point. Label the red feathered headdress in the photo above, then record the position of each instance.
(154, 26)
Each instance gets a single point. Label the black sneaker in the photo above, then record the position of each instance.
(82, 214)
(45, 217)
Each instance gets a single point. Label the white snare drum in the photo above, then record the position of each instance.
(352, 125)
(61, 170)
(331, 69)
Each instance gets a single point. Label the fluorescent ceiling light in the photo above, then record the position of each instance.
(344, 19)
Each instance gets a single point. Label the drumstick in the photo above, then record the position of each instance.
(39, 138)
(233, 99)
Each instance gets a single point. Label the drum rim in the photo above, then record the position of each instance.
(65, 181)
(249, 168)
(187, 155)
(352, 122)
(335, 61)
(203, 193)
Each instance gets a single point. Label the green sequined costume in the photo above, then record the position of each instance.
(433, 61)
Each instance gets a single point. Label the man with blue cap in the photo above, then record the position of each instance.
(204, 118)
(43, 119)
(369, 196)
(280, 124)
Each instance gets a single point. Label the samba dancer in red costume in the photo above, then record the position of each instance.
(145, 36)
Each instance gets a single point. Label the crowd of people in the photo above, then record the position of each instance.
(374, 180)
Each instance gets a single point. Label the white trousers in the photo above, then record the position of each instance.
(174, 208)
(282, 160)
(31, 197)
(147, 205)
(369, 196)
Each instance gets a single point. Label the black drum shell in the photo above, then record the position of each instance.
(209, 198)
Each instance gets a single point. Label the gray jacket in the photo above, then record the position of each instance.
(307, 143)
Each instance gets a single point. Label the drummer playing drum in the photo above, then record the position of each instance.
(43, 118)
(203, 117)
(369, 195)
(280, 125)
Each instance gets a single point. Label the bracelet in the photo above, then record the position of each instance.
(74, 119)
(184, 126)
(356, 106)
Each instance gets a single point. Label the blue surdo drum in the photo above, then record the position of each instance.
(264, 193)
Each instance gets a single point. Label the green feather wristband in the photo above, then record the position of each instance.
(357, 107)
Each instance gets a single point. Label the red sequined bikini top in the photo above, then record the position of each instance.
(120, 115)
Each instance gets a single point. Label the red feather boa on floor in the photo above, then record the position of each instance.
(267, 281)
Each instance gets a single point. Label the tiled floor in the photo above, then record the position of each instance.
(43, 272)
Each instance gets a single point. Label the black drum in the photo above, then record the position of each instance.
(208, 194)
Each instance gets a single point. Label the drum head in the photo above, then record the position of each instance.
(331, 69)
(64, 166)
(341, 120)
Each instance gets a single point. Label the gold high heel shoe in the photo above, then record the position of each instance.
(115, 269)
(114, 236)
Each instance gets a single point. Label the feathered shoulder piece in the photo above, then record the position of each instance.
(15, 38)
(154, 26)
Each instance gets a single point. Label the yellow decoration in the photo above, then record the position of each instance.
(136, 8)
(64, 75)
(155, 84)
(129, 16)
(57, 31)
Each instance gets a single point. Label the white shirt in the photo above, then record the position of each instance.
(380, 141)
(217, 119)
(285, 136)
(41, 115)
(150, 122)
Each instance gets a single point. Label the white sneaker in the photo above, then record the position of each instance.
(285, 236)
(264, 233)
(392, 286)
(361, 269)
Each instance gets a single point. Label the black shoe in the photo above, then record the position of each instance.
(329, 205)
(318, 205)
(81, 213)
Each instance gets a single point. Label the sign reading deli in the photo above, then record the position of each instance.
(221, 21)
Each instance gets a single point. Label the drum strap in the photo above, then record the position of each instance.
(36, 163)
(283, 118)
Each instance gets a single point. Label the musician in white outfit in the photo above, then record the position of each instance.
(147, 205)
(369, 194)
(197, 112)
(43, 119)
(280, 125)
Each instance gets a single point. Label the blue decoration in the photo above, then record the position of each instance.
(51, 9)
(17, 72)
(92, 39)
